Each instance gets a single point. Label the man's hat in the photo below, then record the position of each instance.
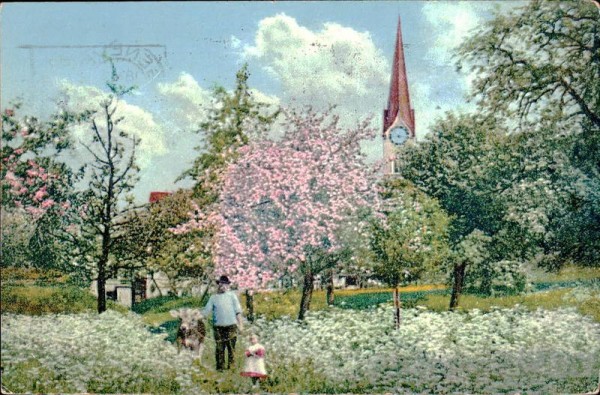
(223, 280)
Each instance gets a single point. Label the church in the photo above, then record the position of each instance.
(399, 116)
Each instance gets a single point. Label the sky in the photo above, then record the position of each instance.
(314, 53)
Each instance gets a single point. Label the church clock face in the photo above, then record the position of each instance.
(399, 135)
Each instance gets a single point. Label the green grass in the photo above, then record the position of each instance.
(163, 304)
(30, 276)
(275, 304)
(409, 296)
(283, 303)
(567, 273)
(36, 300)
(548, 300)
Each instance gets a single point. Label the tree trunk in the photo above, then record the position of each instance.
(397, 306)
(330, 295)
(102, 263)
(459, 279)
(133, 289)
(250, 305)
(101, 282)
(306, 293)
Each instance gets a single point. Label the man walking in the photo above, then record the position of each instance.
(227, 320)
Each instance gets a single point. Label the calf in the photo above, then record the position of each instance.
(191, 331)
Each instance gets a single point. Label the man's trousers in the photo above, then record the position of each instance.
(225, 338)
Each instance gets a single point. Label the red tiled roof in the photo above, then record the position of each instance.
(156, 196)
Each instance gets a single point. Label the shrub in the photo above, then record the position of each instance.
(32, 276)
(16, 274)
(496, 278)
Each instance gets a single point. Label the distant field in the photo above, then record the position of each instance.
(21, 295)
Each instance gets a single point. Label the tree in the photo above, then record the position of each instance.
(283, 201)
(355, 258)
(232, 120)
(541, 62)
(540, 65)
(521, 190)
(16, 234)
(37, 186)
(552, 206)
(470, 250)
(81, 223)
(410, 240)
(150, 244)
(466, 164)
(111, 175)
(454, 165)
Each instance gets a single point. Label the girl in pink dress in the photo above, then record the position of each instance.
(254, 365)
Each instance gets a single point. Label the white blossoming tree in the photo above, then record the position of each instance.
(537, 70)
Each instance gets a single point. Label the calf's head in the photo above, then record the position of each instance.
(190, 319)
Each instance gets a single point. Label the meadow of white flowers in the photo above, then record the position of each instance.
(505, 351)
(110, 352)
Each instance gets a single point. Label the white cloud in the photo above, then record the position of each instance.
(136, 121)
(186, 99)
(429, 109)
(235, 42)
(335, 65)
(188, 102)
(450, 24)
(261, 97)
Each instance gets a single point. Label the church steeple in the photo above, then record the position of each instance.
(399, 113)
(399, 97)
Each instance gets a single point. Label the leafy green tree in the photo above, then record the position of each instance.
(356, 257)
(454, 165)
(16, 233)
(412, 238)
(471, 250)
(149, 244)
(552, 206)
(469, 166)
(230, 118)
(518, 189)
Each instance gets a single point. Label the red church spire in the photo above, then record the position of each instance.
(399, 108)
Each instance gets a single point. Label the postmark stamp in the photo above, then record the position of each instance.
(136, 64)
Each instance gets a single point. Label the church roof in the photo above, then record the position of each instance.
(399, 99)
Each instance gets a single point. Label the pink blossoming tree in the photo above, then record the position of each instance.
(282, 203)
(35, 184)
